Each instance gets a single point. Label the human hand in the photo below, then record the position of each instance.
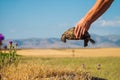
(81, 27)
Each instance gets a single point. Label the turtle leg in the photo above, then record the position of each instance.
(92, 41)
(85, 42)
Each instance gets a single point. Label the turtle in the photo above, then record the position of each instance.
(69, 34)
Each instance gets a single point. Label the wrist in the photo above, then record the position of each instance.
(87, 21)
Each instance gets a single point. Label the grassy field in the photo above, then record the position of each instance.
(65, 64)
(82, 52)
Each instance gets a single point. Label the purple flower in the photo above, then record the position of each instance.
(5, 47)
(16, 44)
(1, 37)
(10, 42)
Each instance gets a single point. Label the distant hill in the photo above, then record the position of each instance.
(101, 41)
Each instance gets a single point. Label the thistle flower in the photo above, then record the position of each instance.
(16, 44)
(10, 42)
(5, 47)
(1, 37)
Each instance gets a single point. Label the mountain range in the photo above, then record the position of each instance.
(101, 41)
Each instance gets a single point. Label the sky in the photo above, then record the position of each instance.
(21, 19)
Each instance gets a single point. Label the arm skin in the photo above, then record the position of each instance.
(93, 14)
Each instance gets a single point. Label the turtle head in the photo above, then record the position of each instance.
(63, 38)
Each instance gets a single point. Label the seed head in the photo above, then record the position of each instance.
(98, 66)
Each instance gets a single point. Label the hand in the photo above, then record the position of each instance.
(93, 14)
(81, 27)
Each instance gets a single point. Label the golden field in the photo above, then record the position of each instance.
(63, 64)
(81, 52)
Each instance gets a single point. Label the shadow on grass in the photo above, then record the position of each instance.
(97, 78)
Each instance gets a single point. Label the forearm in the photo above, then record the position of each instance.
(97, 10)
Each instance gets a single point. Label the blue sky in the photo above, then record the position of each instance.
(50, 18)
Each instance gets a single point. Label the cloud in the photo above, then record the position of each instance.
(108, 23)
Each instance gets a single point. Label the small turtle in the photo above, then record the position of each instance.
(69, 34)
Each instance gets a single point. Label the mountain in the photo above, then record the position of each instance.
(101, 41)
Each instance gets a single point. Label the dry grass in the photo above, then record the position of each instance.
(64, 64)
(39, 68)
(36, 71)
(87, 52)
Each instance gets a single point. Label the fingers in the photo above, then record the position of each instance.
(79, 31)
(76, 31)
(81, 28)
(83, 31)
(80, 34)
